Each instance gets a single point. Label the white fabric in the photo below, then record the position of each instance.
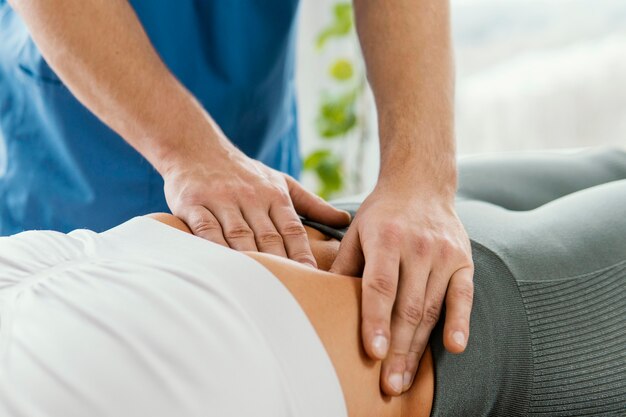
(144, 320)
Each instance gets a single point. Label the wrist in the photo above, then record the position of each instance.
(424, 190)
(199, 141)
(190, 151)
(422, 172)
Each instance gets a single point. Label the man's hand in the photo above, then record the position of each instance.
(414, 246)
(415, 254)
(235, 201)
(103, 55)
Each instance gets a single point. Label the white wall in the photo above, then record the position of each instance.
(536, 74)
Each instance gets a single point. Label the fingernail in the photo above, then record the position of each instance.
(459, 338)
(380, 346)
(408, 378)
(395, 380)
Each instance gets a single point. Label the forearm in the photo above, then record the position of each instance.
(101, 52)
(408, 54)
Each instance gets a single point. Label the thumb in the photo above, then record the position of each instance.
(315, 208)
(349, 260)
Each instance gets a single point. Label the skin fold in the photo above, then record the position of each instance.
(332, 303)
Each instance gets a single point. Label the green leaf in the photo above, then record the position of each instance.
(330, 173)
(342, 70)
(331, 129)
(337, 115)
(313, 160)
(343, 12)
(339, 27)
(328, 168)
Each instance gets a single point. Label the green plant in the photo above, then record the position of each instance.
(340, 26)
(328, 168)
(338, 112)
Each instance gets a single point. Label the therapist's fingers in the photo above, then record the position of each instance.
(315, 208)
(349, 259)
(203, 223)
(235, 229)
(435, 293)
(293, 233)
(407, 316)
(266, 236)
(379, 288)
(459, 300)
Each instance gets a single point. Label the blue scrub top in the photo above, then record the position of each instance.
(61, 168)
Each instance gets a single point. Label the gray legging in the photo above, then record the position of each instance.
(525, 181)
(548, 326)
(548, 330)
(560, 214)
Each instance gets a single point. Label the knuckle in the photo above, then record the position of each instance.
(238, 231)
(391, 232)
(293, 229)
(410, 313)
(431, 315)
(278, 193)
(202, 224)
(423, 245)
(269, 237)
(284, 199)
(383, 285)
(465, 292)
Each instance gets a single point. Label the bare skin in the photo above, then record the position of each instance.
(101, 52)
(332, 303)
(407, 240)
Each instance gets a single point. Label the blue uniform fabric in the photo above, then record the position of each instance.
(61, 168)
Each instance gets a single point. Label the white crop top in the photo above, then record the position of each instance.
(145, 320)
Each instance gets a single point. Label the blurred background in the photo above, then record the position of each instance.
(531, 74)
